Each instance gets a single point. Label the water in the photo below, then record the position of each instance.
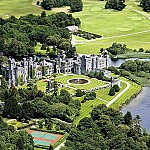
(141, 106)
(118, 62)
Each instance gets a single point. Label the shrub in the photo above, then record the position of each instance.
(112, 92)
(116, 87)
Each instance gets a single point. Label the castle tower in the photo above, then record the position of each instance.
(25, 70)
(30, 68)
(115, 81)
(11, 76)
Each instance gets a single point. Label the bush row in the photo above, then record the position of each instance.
(50, 131)
(87, 35)
(26, 126)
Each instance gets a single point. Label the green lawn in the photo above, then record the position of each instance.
(38, 49)
(22, 7)
(92, 82)
(86, 108)
(14, 123)
(134, 88)
(103, 94)
(104, 98)
(113, 26)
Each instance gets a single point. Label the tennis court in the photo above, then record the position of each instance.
(44, 138)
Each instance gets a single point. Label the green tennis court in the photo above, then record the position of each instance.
(44, 138)
(39, 142)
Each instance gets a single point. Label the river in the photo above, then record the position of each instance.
(141, 106)
(118, 62)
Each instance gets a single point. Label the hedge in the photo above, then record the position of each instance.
(50, 131)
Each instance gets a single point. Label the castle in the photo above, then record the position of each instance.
(29, 68)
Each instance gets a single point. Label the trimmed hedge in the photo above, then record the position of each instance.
(26, 126)
(50, 131)
(61, 140)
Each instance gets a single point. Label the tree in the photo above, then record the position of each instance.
(43, 14)
(3, 60)
(116, 87)
(50, 147)
(112, 92)
(145, 4)
(47, 4)
(76, 5)
(115, 4)
(128, 118)
(79, 93)
(11, 107)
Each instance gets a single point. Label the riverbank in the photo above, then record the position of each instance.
(130, 99)
(140, 106)
(138, 55)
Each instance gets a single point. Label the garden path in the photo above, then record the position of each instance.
(120, 94)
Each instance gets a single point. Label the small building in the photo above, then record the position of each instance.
(115, 81)
(72, 28)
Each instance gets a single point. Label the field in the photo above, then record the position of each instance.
(91, 84)
(104, 98)
(44, 138)
(130, 26)
(22, 7)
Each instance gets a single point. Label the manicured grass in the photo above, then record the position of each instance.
(92, 82)
(134, 88)
(134, 55)
(14, 123)
(23, 7)
(112, 25)
(38, 49)
(103, 98)
(103, 94)
(41, 85)
(86, 108)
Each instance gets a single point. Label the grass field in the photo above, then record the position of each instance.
(134, 89)
(22, 7)
(128, 26)
(103, 94)
(92, 82)
(104, 98)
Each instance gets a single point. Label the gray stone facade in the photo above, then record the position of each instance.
(28, 68)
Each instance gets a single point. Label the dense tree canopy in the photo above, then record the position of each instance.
(14, 140)
(136, 65)
(117, 48)
(20, 36)
(145, 4)
(108, 129)
(76, 5)
(33, 103)
(115, 4)
(49, 4)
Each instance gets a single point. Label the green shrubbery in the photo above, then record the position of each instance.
(114, 89)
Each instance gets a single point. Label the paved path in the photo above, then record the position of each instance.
(139, 12)
(102, 100)
(62, 120)
(120, 94)
(61, 145)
